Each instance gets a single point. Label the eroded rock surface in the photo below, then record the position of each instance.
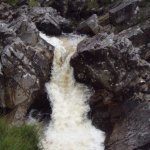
(25, 64)
(121, 80)
(107, 61)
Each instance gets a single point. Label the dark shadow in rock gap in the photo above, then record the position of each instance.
(40, 109)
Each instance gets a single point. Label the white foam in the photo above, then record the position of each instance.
(70, 129)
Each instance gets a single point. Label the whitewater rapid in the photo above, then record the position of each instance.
(69, 129)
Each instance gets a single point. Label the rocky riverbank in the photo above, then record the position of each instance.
(114, 61)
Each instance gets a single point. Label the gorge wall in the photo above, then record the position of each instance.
(114, 61)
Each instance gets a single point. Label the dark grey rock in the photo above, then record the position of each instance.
(7, 34)
(25, 64)
(25, 29)
(133, 132)
(49, 21)
(90, 26)
(6, 12)
(139, 34)
(123, 12)
(26, 69)
(109, 62)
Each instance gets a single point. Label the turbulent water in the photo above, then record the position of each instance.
(70, 129)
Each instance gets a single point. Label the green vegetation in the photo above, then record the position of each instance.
(92, 4)
(31, 3)
(24, 137)
(95, 4)
(107, 2)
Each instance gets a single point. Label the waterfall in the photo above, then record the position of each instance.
(69, 129)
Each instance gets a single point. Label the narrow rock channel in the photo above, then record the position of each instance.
(70, 128)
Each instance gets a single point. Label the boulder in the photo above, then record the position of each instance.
(49, 21)
(108, 61)
(60, 5)
(123, 12)
(25, 30)
(140, 15)
(90, 26)
(139, 34)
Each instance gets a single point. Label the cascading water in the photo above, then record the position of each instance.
(70, 129)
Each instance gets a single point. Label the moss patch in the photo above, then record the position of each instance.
(33, 3)
(23, 137)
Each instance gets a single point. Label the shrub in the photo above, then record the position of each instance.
(24, 137)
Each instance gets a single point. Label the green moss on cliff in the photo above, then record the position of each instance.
(18, 138)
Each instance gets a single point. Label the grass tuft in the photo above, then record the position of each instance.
(24, 137)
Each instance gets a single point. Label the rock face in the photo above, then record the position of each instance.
(90, 26)
(133, 131)
(105, 61)
(25, 64)
(115, 63)
(121, 80)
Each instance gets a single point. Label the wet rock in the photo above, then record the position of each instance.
(123, 12)
(107, 61)
(90, 26)
(133, 132)
(25, 66)
(49, 21)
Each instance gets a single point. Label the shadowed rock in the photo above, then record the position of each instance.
(49, 21)
(123, 12)
(133, 132)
